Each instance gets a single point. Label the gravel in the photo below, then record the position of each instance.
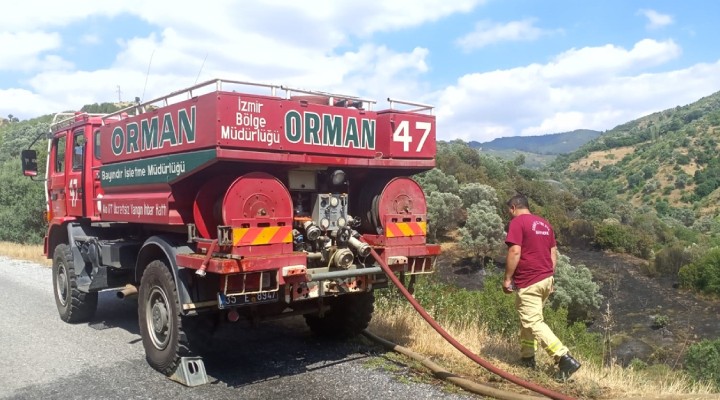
(45, 358)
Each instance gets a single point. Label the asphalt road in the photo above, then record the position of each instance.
(45, 358)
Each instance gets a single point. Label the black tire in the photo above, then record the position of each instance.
(349, 315)
(160, 320)
(73, 305)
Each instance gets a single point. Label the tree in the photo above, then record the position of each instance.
(102, 108)
(444, 213)
(22, 206)
(519, 160)
(483, 231)
(575, 289)
(595, 209)
(472, 193)
(635, 180)
(436, 180)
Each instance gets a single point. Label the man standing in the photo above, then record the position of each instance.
(529, 269)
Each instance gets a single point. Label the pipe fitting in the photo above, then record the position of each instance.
(361, 248)
(343, 258)
(312, 231)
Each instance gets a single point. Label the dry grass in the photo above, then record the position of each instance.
(405, 327)
(26, 252)
(603, 158)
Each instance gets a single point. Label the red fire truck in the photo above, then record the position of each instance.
(222, 201)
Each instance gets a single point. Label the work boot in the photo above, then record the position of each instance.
(528, 362)
(567, 366)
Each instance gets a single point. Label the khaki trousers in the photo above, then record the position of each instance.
(529, 303)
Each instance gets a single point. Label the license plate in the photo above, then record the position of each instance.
(225, 301)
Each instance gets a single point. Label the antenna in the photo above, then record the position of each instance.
(201, 68)
(148, 73)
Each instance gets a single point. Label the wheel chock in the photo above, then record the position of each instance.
(190, 372)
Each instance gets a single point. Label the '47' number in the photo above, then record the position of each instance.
(402, 134)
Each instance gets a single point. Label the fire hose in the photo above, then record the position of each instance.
(483, 363)
(442, 373)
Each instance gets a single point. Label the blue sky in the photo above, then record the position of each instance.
(492, 68)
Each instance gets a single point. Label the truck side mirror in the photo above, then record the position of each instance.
(29, 162)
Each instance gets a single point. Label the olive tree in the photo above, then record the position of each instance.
(444, 213)
(483, 231)
(575, 289)
(436, 180)
(472, 193)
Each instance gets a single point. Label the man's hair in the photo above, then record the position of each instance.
(518, 201)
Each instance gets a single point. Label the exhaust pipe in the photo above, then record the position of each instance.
(127, 291)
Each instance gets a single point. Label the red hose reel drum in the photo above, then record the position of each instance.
(257, 198)
(207, 207)
(401, 197)
(254, 199)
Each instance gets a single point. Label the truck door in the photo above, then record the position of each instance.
(74, 192)
(94, 201)
(56, 180)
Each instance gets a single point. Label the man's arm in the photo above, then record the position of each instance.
(553, 256)
(511, 262)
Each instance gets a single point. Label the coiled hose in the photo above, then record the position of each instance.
(483, 363)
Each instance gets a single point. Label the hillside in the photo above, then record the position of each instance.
(665, 159)
(531, 160)
(553, 144)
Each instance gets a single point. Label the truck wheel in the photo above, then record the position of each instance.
(159, 318)
(349, 315)
(73, 305)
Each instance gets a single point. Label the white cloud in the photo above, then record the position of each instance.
(278, 41)
(25, 103)
(488, 32)
(593, 88)
(655, 19)
(610, 59)
(90, 39)
(21, 50)
(44, 14)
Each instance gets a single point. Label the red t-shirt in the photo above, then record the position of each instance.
(535, 237)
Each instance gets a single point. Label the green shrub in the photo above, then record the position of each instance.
(492, 309)
(702, 361)
(575, 290)
(612, 236)
(489, 307)
(580, 233)
(704, 273)
(574, 335)
(637, 364)
(660, 321)
(669, 260)
(623, 239)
